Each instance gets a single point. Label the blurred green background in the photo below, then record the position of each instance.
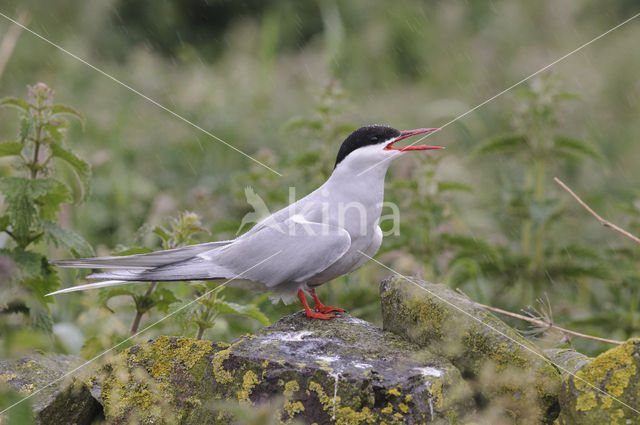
(285, 81)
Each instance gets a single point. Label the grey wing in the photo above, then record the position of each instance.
(291, 251)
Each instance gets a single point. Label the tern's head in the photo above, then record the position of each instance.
(369, 145)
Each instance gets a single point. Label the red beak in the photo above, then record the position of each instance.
(409, 133)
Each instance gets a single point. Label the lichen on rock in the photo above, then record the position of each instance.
(344, 371)
(507, 373)
(605, 390)
(55, 400)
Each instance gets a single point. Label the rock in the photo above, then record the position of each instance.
(567, 361)
(67, 401)
(583, 399)
(343, 371)
(509, 376)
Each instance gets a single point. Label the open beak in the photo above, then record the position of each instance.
(409, 133)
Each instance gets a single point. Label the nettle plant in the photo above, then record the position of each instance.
(32, 198)
(149, 296)
(533, 254)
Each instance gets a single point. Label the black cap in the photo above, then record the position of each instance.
(365, 136)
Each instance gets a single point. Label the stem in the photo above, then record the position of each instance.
(539, 231)
(541, 323)
(34, 164)
(201, 330)
(136, 320)
(602, 221)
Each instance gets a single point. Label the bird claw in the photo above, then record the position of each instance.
(316, 315)
(328, 309)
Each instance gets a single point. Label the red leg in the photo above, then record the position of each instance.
(308, 312)
(321, 307)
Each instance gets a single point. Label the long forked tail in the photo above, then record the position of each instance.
(141, 261)
(174, 264)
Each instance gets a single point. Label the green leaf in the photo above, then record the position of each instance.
(56, 194)
(36, 274)
(105, 295)
(576, 147)
(251, 311)
(10, 148)
(29, 263)
(444, 186)
(54, 131)
(19, 199)
(25, 128)
(4, 222)
(14, 102)
(132, 251)
(60, 236)
(79, 165)
(159, 230)
(163, 298)
(502, 144)
(23, 195)
(68, 110)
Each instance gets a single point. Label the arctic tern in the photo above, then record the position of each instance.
(310, 242)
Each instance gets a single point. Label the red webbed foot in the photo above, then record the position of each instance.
(324, 308)
(315, 314)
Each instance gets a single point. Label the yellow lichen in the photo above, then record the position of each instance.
(326, 401)
(27, 389)
(249, 381)
(6, 377)
(398, 415)
(290, 388)
(293, 408)
(348, 416)
(611, 370)
(408, 398)
(189, 351)
(344, 415)
(403, 407)
(586, 401)
(394, 392)
(388, 409)
(219, 372)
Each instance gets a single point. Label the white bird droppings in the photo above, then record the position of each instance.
(328, 359)
(429, 371)
(287, 336)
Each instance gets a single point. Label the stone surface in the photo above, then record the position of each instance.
(566, 360)
(440, 360)
(583, 399)
(509, 376)
(68, 401)
(343, 371)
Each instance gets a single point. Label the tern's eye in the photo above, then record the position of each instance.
(374, 138)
